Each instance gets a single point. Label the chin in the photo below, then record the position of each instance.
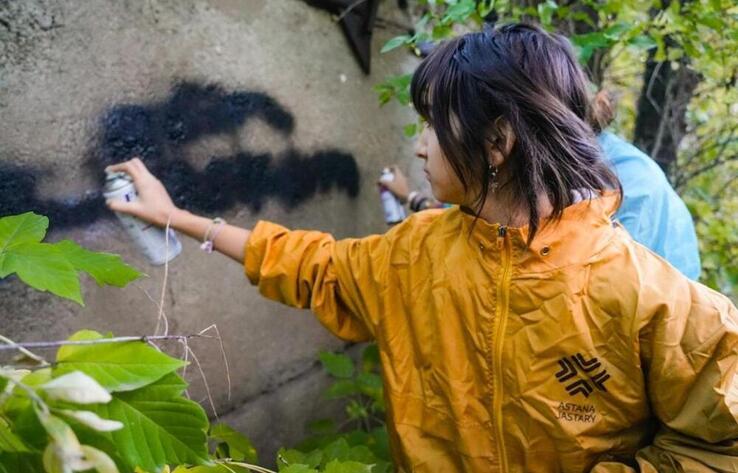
(442, 195)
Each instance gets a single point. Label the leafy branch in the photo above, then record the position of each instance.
(54, 267)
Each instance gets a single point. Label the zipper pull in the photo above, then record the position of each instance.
(501, 236)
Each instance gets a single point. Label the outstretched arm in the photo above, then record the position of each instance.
(154, 205)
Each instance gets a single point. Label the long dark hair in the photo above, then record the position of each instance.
(530, 79)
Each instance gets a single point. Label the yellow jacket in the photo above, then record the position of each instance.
(585, 352)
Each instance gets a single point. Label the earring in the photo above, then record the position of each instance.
(492, 177)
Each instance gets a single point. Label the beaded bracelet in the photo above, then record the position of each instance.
(212, 231)
(418, 202)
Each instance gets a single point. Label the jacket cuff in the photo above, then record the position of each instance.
(256, 248)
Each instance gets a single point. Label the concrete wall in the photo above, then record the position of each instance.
(247, 110)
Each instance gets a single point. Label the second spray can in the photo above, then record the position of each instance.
(394, 211)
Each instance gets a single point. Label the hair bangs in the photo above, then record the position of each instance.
(435, 82)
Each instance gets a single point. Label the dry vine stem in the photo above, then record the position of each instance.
(162, 316)
(40, 360)
(99, 341)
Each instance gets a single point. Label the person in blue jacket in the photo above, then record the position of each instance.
(651, 211)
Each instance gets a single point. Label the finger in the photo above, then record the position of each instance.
(145, 170)
(127, 167)
(139, 164)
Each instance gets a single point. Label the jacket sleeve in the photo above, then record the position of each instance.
(689, 355)
(341, 282)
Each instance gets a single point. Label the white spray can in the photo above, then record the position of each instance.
(394, 211)
(156, 244)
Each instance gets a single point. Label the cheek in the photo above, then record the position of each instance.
(445, 184)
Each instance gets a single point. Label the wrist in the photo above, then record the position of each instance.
(177, 218)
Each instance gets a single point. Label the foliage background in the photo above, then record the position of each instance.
(672, 68)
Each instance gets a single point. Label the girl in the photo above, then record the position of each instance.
(651, 211)
(519, 331)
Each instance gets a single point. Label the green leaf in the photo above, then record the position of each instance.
(587, 44)
(105, 268)
(441, 31)
(356, 411)
(160, 426)
(297, 468)
(378, 442)
(370, 360)
(287, 457)
(395, 42)
(19, 229)
(674, 54)
(341, 388)
(28, 428)
(239, 447)
(395, 86)
(322, 427)
(54, 267)
(19, 399)
(460, 11)
(224, 467)
(362, 454)
(116, 366)
(347, 467)
(712, 20)
(43, 267)
(616, 31)
(546, 10)
(338, 450)
(410, 129)
(643, 42)
(338, 365)
(370, 384)
(9, 442)
(21, 463)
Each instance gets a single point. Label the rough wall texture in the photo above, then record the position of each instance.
(246, 109)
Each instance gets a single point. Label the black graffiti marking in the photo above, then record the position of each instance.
(567, 370)
(157, 132)
(18, 194)
(584, 365)
(579, 386)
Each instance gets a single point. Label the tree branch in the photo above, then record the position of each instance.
(707, 167)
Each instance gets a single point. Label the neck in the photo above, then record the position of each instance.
(500, 208)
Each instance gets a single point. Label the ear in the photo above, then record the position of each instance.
(501, 144)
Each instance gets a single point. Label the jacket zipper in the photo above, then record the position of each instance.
(499, 323)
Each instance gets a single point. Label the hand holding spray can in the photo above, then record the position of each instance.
(157, 245)
(394, 211)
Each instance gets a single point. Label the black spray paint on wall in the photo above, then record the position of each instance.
(157, 132)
